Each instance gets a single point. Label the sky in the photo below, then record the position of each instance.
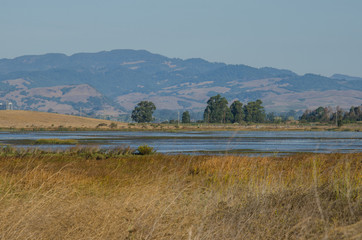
(305, 36)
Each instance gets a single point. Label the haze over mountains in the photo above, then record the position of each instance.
(113, 82)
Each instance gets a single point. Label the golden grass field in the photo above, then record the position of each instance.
(31, 120)
(72, 195)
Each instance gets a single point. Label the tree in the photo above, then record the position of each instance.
(186, 117)
(237, 111)
(354, 114)
(254, 112)
(217, 110)
(338, 116)
(321, 114)
(143, 112)
(270, 117)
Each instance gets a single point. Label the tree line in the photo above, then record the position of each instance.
(218, 111)
(327, 115)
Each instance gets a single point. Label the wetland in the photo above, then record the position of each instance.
(195, 142)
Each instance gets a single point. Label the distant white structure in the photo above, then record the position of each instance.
(7, 106)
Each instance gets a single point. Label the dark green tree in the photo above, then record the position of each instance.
(186, 117)
(354, 114)
(270, 117)
(217, 110)
(143, 112)
(321, 114)
(237, 112)
(338, 116)
(254, 112)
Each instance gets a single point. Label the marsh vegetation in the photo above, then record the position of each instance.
(56, 141)
(83, 193)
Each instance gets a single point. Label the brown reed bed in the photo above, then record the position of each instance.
(69, 195)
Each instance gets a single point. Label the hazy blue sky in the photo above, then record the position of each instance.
(318, 36)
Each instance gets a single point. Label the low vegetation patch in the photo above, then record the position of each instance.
(102, 125)
(78, 151)
(56, 141)
(65, 195)
(145, 150)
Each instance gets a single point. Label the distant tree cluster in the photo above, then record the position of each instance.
(143, 112)
(321, 114)
(354, 114)
(327, 115)
(217, 111)
(291, 115)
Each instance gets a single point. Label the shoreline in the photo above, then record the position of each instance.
(19, 120)
(150, 127)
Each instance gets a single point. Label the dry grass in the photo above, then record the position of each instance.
(67, 196)
(29, 120)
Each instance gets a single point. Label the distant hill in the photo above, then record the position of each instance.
(113, 82)
(31, 119)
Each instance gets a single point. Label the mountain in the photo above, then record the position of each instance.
(345, 77)
(113, 82)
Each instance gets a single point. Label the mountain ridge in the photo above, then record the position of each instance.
(123, 77)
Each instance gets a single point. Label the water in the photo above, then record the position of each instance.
(236, 142)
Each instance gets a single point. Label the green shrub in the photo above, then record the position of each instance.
(145, 150)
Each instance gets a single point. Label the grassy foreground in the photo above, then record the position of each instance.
(72, 195)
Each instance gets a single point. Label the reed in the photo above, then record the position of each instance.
(65, 195)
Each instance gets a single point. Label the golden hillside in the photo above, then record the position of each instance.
(30, 119)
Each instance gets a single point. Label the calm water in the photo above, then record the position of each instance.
(204, 142)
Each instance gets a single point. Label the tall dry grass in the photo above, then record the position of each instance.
(68, 196)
